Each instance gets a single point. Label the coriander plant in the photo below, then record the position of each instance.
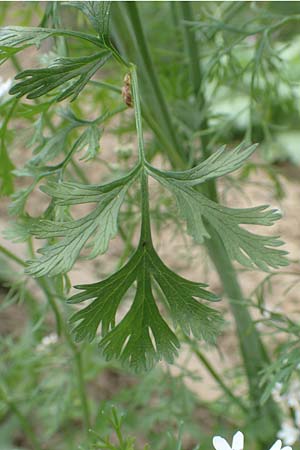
(143, 310)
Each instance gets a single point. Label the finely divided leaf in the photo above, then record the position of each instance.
(23, 36)
(107, 295)
(93, 230)
(15, 39)
(180, 294)
(143, 337)
(90, 140)
(98, 14)
(69, 74)
(220, 163)
(249, 249)
(50, 147)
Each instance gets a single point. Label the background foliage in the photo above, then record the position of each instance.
(214, 73)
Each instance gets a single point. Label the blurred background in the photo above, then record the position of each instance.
(250, 59)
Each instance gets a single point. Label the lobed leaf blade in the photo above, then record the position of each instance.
(221, 162)
(143, 337)
(69, 74)
(98, 228)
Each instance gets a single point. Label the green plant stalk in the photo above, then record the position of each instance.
(146, 227)
(133, 14)
(62, 328)
(12, 256)
(25, 424)
(43, 283)
(252, 349)
(129, 25)
(216, 376)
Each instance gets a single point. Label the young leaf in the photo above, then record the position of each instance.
(69, 74)
(249, 249)
(143, 337)
(97, 227)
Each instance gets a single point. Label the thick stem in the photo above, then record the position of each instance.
(253, 352)
(252, 349)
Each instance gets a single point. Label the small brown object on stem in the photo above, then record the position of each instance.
(126, 91)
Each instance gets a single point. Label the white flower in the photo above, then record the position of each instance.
(297, 417)
(288, 433)
(50, 339)
(5, 86)
(238, 443)
(276, 392)
(293, 394)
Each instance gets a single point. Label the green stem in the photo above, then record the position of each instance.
(79, 172)
(11, 255)
(25, 424)
(134, 16)
(216, 376)
(146, 227)
(191, 49)
(109, 86)
(253, 352)
(62, 329)
(8, 117)
(138, 115)
(129, 248)
(128, 15)
(76, 355)
(82, 389)
(252, 349)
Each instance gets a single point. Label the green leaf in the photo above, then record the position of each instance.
(143, 337)
(6, 168)
(220, 163)
(23, 36)
(18, 231)
(19, 198)
(190, 315)
(93, 230)
(69, 74)
(13, 39)
(89, 139)
(50, 147)
(98, 13)
(249, 249)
